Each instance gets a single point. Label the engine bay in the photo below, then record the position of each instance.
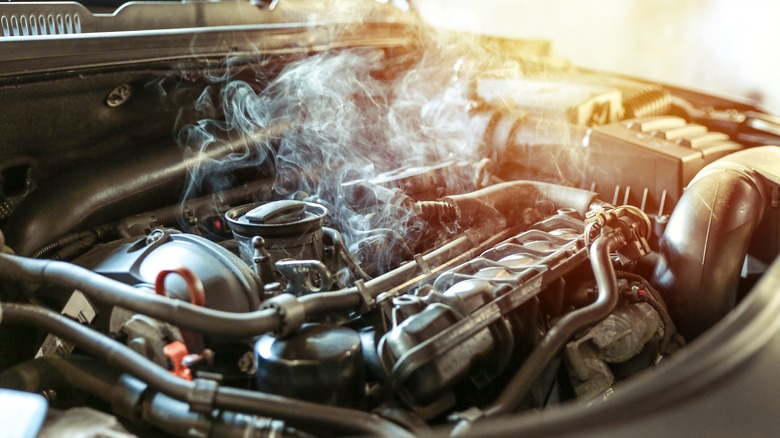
(370, 240)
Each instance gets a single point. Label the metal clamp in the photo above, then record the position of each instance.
(201, 396)
(368, 301)
(454, 205)
(292, 313)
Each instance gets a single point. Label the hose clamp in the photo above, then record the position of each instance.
(201, 395)
(368, 302)
(292, 313)
(422, 264)
(464, 419)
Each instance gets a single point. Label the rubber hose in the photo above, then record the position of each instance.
(158, 379)
(567, 327)
(205, 320)
(708, 236)
(59, 373)
(106, 290)
(510, 199)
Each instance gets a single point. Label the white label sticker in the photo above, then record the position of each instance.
(79, 308)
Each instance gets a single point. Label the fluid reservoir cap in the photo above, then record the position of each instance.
(320, 363)
(277, 212)
(290, 229)
(276, 218)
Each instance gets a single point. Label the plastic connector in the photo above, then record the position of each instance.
(176, 352)
(631, 222)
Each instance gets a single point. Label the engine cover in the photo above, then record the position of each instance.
(228, 282)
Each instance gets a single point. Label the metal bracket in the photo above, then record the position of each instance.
(298, 274)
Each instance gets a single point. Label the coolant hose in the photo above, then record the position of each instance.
(567, 327)
(510, 199)
(52, 372)
(708, 236)
(112, 352)
(105, 290)
(158, 379)
(205, 320)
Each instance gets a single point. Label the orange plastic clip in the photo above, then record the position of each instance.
(176, 351)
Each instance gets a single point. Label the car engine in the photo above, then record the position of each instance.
(395, 234)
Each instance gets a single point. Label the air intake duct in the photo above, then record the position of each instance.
(709, 234)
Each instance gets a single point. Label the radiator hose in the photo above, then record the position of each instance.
(504, 204)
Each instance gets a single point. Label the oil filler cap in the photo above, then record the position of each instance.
(277, 212)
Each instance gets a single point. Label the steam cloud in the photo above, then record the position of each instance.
(344, 120)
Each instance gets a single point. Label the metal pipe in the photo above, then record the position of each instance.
(444, 257)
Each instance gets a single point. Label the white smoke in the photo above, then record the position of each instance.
(344, 118)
